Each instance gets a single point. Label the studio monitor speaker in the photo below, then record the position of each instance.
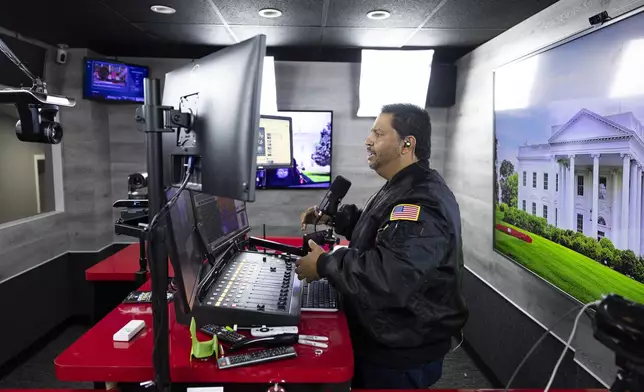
(442, 86)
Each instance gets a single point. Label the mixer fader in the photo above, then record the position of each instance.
(263, 287)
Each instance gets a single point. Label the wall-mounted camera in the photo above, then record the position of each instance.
(61, 54)
(38, 113)
(599, 19)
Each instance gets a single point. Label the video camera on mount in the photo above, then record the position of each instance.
(134, 209)
(38, 113)
(137, 184)
(37, 110)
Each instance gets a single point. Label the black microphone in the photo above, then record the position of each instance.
(339, 188)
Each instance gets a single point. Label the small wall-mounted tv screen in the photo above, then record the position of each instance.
(106, 80)
(312, 136)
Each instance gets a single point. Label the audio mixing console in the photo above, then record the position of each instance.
(253, 289)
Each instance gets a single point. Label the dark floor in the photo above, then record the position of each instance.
(37, 371)
(460, 372)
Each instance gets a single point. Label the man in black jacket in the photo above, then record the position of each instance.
(400, 277)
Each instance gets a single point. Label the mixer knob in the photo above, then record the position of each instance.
(264, 258)
(283, 291)
(284, 285)
(281, 307)
(273, 269)
(260, 307)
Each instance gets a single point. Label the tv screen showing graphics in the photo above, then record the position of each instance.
(312, 153)
(106, 80)
(569, 159)
(274, 142)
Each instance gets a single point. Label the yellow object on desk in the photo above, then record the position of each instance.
(202, 350)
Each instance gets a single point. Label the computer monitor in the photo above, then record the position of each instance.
(275, 142)
(219, 220)
(222, 91)
(185, 248)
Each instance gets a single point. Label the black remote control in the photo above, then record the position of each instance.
(255, 357)
(222, 333)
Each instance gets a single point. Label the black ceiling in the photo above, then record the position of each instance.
(128, 27)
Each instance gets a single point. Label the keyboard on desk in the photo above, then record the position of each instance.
(319, 296)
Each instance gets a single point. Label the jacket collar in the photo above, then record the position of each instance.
(413, 170)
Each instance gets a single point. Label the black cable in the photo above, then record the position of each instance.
(536, 344)
(174, 198)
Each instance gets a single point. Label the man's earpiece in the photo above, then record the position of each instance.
(407, 143)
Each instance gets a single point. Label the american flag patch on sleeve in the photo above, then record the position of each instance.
(405, 212)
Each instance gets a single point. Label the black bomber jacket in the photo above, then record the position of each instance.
(400, 277)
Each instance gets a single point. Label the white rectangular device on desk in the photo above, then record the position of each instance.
(271, 331)
(130, 329)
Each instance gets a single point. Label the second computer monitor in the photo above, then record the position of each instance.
(201, 226)
(275, 142)
(219, 220)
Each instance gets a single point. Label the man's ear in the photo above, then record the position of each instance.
(409, 143)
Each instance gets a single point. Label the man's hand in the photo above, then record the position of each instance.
(307, 266)
(310, 216)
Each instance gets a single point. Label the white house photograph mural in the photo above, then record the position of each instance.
(569, 163)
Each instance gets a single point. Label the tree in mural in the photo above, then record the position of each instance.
(322, 154)
(509, 183)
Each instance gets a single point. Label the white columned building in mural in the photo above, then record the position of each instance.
(588, 178)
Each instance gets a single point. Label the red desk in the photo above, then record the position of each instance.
(122, 265)
(95, 357)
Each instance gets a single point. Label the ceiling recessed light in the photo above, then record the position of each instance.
(270, 13)
(163, 9)
(378, 14)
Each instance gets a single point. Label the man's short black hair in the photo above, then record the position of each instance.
(412, 120)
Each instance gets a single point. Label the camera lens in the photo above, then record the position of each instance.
(137, 180)
(54, 132)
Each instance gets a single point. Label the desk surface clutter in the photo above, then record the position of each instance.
(95, 357)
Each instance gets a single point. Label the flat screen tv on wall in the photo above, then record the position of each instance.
(569, 160)
(111, 81)
(312, 153)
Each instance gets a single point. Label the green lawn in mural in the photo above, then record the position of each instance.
(583, 278)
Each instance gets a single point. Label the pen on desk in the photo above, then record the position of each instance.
(314, 338)
(311, 343)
